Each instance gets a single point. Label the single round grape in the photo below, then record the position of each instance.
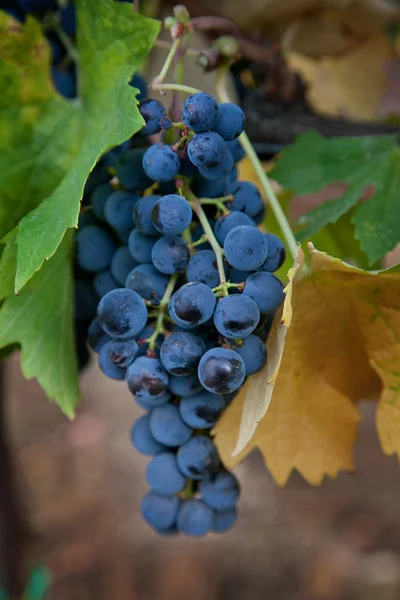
(203, 268)
(140, 246)
(118, 209)
(206, 188)
(222, 169)
(195, 518)
(168, 427)
(122, 264)
(171, 214)
(96, 337)
(98, 199)
(236, 276)
(120, 354)
(149, 403)
(186, 386)
(220, 491)
(64, 81)
(245, 248)
(146, 378)
(107, 366)
(148, 282)
(192, 304)
(104, 282)
(142, 215)
(142, 438)
(230, 122)
(138, 81)
(224, 225)
(198, 457)
(276, 253)
(247, 199)
(236, 149)
(130, 172)
(266, 290)
(152, 112)
(163, 475)
(170, 254)
(206, 150)
(158, 511)
(122, 313)
(253, 352)
(236, 316)
(94, 248)
(203, 410)
(200, 112)
(221, 371)
(181, 352)
(161, 163)
(225, 520)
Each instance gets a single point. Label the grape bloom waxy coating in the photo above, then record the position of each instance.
(186, 297)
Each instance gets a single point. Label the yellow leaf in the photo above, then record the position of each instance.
(343, 345)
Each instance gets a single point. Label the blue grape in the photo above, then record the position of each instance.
(192, 304)
(153, 402)
(96, 337)
(171, 214)
(94, 248)
(137, 81)
(146, 378)
(85, 302)
(225, 520)
(107, 366)
(35, 6)
(195, 518)
(158, 511)
(222, 169)
(230, 122)
(245, 248)
(236, 276)
(165, 123)
(140, 246)
(86, 218)
(118, 209)
(170, 254)
(142, 438)
(161, 163)
(64, 82)
(98, 199)
(253, 353)
(247, 199)
(163, 475)
(203, 268)
(142, 215)
(202, 411)
(224, 225)
(148, 282)
(200, 112)
(122, 313)
(266, 290)
(221, 371)
(152, 112)
(122, 264)
(104, 282)
(233, 175)
(16, 14)
(205, 188)
(276, 253)
(220, 491)
(57, 49)
(236, 149)
(68, 19)
(198, 457)
(115, 356)
(186, 386)
(187, 168)
(180, 353)
(236, 316)
(130, 172)
(168, 427)
(206, 150)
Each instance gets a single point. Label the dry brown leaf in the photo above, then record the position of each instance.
(343, 345)
(351, 85)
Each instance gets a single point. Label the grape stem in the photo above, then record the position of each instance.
(280, 216)
(167, 64)
(212, 240)
(167, 46)
(159, 328)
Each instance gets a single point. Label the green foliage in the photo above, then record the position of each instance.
(48, 146)
(313, 162)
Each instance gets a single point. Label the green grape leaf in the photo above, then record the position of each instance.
(48, 144)
(40, 320)
(314, 162)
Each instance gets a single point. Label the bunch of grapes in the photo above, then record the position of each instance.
(187, 297)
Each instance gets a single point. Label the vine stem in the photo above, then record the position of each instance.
(167, 64)
(161, 311)
(167, 46)
(170, 87)
(280, 216)
(212, 240)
